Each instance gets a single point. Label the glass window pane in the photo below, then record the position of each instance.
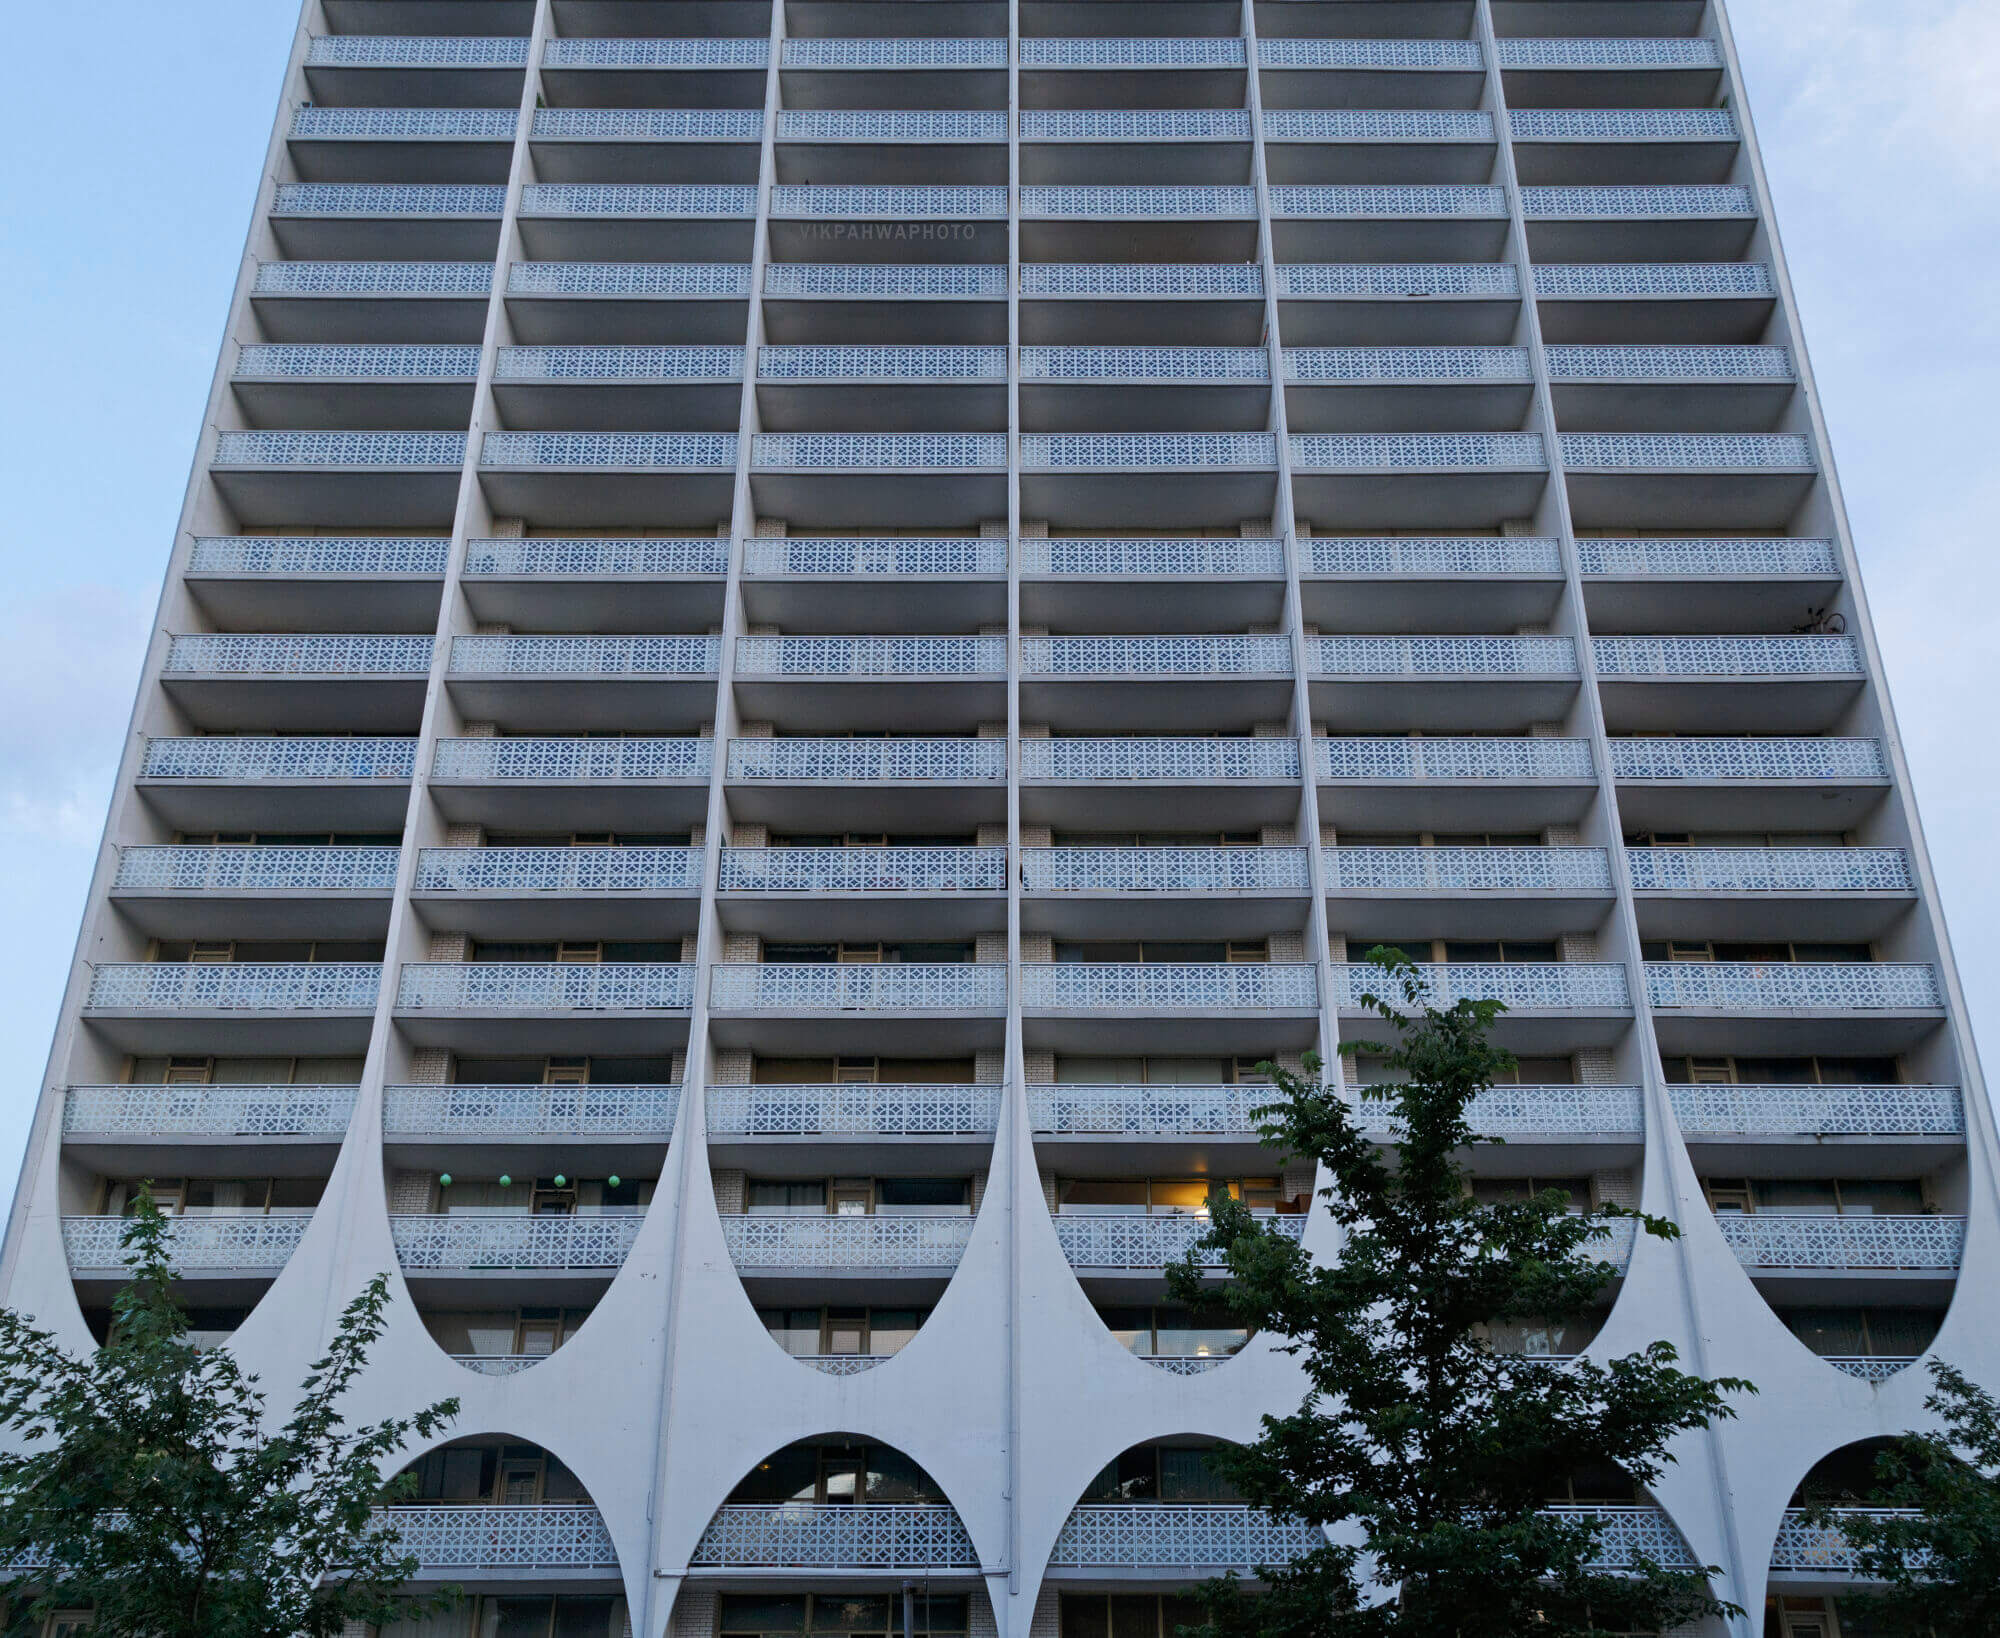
(1084, 1615)
(763, 1612)
(1103, 1195)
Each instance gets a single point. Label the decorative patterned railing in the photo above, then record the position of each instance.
(1433, 555)
(545, 986)
(1376, 124)
(1748, 759)
(1623, 125)
(650, 52)
(558, 870)
(1703, 363)
(1147, 1242)
(1500, 279)
(849, 761)
(388, 199)
(573, 759)
(871, 656)
(812, 1536)
(619, 364)
(1533, 1111)
(881, 363)
(1145, 1111)
(529, 1111)
(1609, 51)
(1728, 656)
(661, 279)
(1162, 558)
(1225, 656)
(363, 451)
(878, 451)
(623, 451)
(243, 655)
(1145, 51)
(648, 199)
(195, 869)
(924, 200)
(417, 51)
(1194, 986)
(916, 51)
(1134, 124)
(473, 656)
(1417, 451)
(546, 1537)
(426, 1244)
(1117, 279)
(1161, 759)
(1592, 204)
(316, 555)
(1625, 280)
(1467, 869)
(892, 125)
(843, 1364)
(1540, 985)
(901, 280)
(497, 1364)
(1185, 1364)
(1126, 201)
(208, 1111)
(886, 555)
(1640, 1530)
(1278, 52)
(1164, 870)
(1352, 199)
(1753, 986)
(1775, 555)
(1771, 869)
(1871, 1367)
(1148, 451)
(912, 986)
(1186, 364)
(1792, 1111)
(864, 870)
(1913, 1244)
(199, 1245)
(227, 757)
(555, 555)
(312, 123)
(243, 986)
(373, 279)
(1453, 759)
(1392, 364)
(1164, 1535)
(1821, 1549)
(880, 1108)
(1688, 451)
(649, 124)
(887, 1245)
(1440, 656)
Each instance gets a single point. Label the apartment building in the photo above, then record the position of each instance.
(804, 628)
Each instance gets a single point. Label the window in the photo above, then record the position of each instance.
(1171, 1333)
(1738, 838)
(875, 1615)
(243, 1071)
(495, 1475)
(1543, 1339)
(1157, 838)
(222, 952)
(579, 952)
(1493, 1191)
(1125, 1615)
(1815, 1197)
(1160, 1196)
(569, 1071)
(505, 1333)
(856, 838)
(1180, 951)
(952, 952)
(1161, 1473)
(1159, 1072)
(1814, 1071)
(557, 1196)
(810, 1333)
(1771, 950)
(1428, 838)
(1465, 950)
(837, 1475)
(218, 1196)
(858, 1197)
(679, 838)
(1864, 1333)
(259, 838)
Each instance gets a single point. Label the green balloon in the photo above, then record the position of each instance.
(561, 1181)
(612, 1180)
(506, 1182)
(444, 1178)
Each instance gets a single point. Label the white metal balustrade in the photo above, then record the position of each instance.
(545, 986)
(889, 556)
(1157, 558)
(1623, 125)
(1728, 656)
(881, 363)
(1686, 559)
(1382, 365)
(1283, 52)
(555, 555)
(857, 761)
(819, 1536)
(242, 986)
(227, 869)
(1140, 201)
(1823, 1549)
(1790, 986)
(915, 986)
(1418, 451)
(1378, 124)
(1198, 366)
(892, 125)
(1151, 1242)
(1819, 1111)
(1114, 280)
(871, 656)
(663, 280)
(243, 655)
(1678, 363)
(1538, 1111)
(903, 280)
(361, 200)
(1432, 556)
(1640, 1530)
(548, 1537)
(1355, 200)
(1228, 656)
(464, 1244)
(927, 201)
(1708, 759)
(197, 1245)
(655, 201)
(1692, 201)
(1162, 1535)
(1688, 451)
(1545, 986)
(1163, 760)
(1164, 870)
(1145, 51)
(1078, 1109)
(417, 51)
(878, 451)
(372, 279)
(317, 556)
(310, 124)
(1609, 51)
(653, 52)
(901, 870)
(1626, 281)
(510, 870)
(610, 451)
(234, 759)
(467, 1110)
(912, 51)
(902, 1244)
(1885, 1244)
(1441, 656)
(473, 656)
(573, 760)
(1466, 869)
(1148, 451)
(1771, 870)
(207, 1111)
(497, 1364)
(648, 124)
(1169, 986)
(1871, 1367)
(1503, 759)
(553, 364)
(341, 451)
(877, 1109)
(1499, 280)
(1134, 124)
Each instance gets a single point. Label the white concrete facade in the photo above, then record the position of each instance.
(1211, 487)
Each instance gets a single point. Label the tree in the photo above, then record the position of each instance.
(1439, 1453)
(1937, 1554)
(143, 1483)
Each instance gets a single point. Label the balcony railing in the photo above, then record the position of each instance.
(649, 52)
(575, 760)
(1169, 760)
(348, 451)
(1164, 870)
(1336, 200)
(497, 1364)
(1383, 365)
(585, 656)
(1399, 279)
(427, 1245)
(1169, 986)
(403, 124)
(1134, 124)
(554, 555)
(843, 1364)
(874, 1244)
(1688, 451)
(1623, 125)
(1728, 656)
(1163, 1535)
(1196, 366)
(878, 1109)
(878, 451)
(315, 556)
(1822, 1549)
(1748, 759)
(1121, 279)
(1640, 1530)
(417, 51)
(1148, 451)
(1677, 363)
(927, 201)
(1787, 986)
(1418, 451)
(887, 556)
(208, 1111)
(1506, 759)
(649, 124)
(373, 279)
(780, 987)
(1147, 51)
(471, 1111)
(559, 870)
(242, 655)
(1821, 1111)
(853, 761)
(915, 51)
(546, 1537)
(1157, 656)
(816, 1536)
(1434, 555)
(871, 656)
(1628, 280)
(1440, 656)
(1466, 869)
(367, 199)
(864, 870)
(198, 1245)
(1535, 985)
(804, 280)
(518, 364)
(1609, 51)
(262, 986)
(1697, 201)
(1146, 1111)
(1675, 559)
(1147, 1242)
(1771, 870)
(545, 986)
(1166, 558)
(1376, 124)
(186, 869)
(1141, 201)
(1871, 1367)
(652, 200)
(226, 757)
(1535, 1111)
(610, 451)
(881, 363)
(655, 279)
(1279, 52)
(1886, 1243)
(892, 125)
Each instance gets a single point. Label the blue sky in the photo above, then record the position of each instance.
(123, 222)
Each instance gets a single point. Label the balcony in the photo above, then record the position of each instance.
(560, 784)
(1659, 389)
(1075, 389)
(841, 582)
(1158, 584)
(904, 684)
(601, 1130)
(1163, 892)
(644, 73)
(857, 783)
(545, 1006)
(470, 1260)
(835, 480)
(1742, 1129)
(1111, 1246)
(1193, 1007)
(1372, 303)
(657, 302)
(1134, 145)
(1748, 584)
(542, 684)
(610, 479)
(901, 145)
(853, 1113)
(378, 583)
(1100, 72)
(1200, 303)
(1842, 894)
(1341, 145)
(1748, 784)
(909, 71)
(559, 892)
(127, 1129)
(641, 388)
(221, 1252)
(1817, 1552)
(1469, 892)
(884, 892)
(1229, 782)
(404, 70)
(639, 221)
(681, 144)
(230, 782)
(961, 303)
(554, 583)
(1624, 145)
(935, 1009)
(330, 480)
(1728, 301)
(1812, 1252)
(401, 144)
(1148, 480)
(392, 301)
(1410, 389)
(1316, 222)
(1129, 684)
(300, 683)
(1750, 480)
(815, 1536)
(905, 223)
(548, 1543)
(1493, 683)
(1611, 71)
(1182, 1127)
(1370, 73)
(1165, 1536)
(256, 892)
(1778, 1007)
(1398, 583)
(1745, 684)
(1360, 480)
(309, 1008)
(1084, 222)
(816, 1249)
(387, 221)
(1550, 1005)
(1691, 223)
(1580, 1118)
(1640, 1529)
(1453, 784)
(881, 389)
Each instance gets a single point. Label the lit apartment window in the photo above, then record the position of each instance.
(1162, 1196)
